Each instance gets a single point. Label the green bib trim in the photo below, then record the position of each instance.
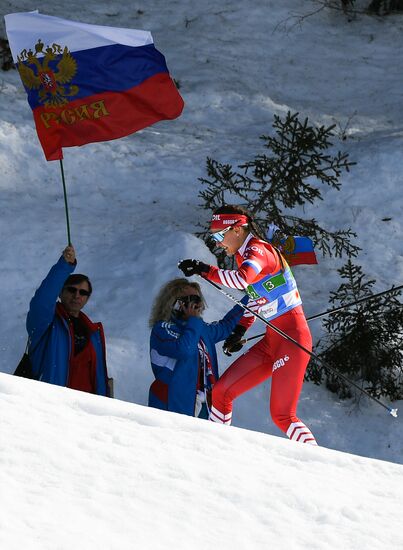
(274, 282)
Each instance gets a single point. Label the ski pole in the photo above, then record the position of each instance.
(336, 309)
(392, 412)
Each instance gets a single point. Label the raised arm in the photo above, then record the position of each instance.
(42, 306)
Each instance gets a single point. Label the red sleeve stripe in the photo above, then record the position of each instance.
(238, 280)
(223, 279)
(232, 279)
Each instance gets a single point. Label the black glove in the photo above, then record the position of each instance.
(193, 267)
(234, 341)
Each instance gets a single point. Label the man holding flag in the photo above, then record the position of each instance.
(85, 83)
(65, 347)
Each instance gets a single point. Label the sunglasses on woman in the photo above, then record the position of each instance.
(192, 298)
(185, 301)
(74, 290)
(219, 236)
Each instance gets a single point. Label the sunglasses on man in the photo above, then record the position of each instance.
(75, 290)
(219, 235)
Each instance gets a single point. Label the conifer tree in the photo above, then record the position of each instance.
(6, 59)
(286, 177)
(363, 342)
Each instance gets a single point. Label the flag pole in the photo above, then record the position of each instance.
(65, 203)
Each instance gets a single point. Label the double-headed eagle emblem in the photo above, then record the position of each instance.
(286, 246)
(53, 84)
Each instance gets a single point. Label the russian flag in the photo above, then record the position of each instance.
(88, 83)
(298, 250)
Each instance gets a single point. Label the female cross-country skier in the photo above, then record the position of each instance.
(265, 275)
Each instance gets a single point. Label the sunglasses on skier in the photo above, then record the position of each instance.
(219, 235)
(74, 290)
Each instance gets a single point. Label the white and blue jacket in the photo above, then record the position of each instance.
(175, 358)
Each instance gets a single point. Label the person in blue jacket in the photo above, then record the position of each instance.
(182, 348)
(65, 347)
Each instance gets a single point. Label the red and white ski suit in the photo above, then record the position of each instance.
(265, 275)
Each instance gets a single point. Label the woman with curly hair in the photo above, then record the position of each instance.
(182, 348)
(266, 277)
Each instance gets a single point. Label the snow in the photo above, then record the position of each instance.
(105, 472)
(79, 471)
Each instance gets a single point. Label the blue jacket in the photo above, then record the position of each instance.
(50, 337)
(175, 358)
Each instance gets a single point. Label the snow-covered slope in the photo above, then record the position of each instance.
(81, 471)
